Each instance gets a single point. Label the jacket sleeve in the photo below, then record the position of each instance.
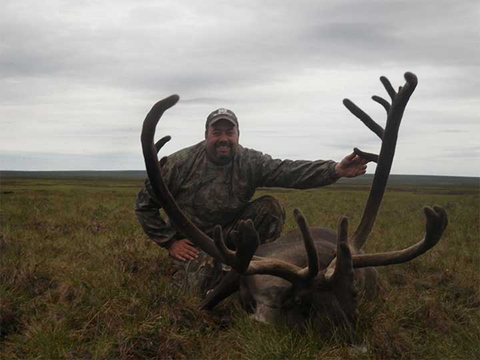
(147, 209)
(299, 174)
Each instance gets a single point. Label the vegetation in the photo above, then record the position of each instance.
(80, 280)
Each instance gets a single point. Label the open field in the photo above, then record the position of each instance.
(80, 280)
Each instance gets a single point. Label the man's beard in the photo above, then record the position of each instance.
(224, 151)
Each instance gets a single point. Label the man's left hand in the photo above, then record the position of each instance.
(351, 166)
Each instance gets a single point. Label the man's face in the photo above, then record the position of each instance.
(222, 142)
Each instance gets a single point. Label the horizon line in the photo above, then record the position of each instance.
(106, 171)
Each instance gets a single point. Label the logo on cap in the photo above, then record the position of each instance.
(221, 113)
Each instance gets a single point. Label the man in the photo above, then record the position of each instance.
(214, 181)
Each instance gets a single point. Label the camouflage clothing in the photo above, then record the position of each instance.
(211, 194)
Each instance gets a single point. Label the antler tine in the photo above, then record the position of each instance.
(366, 155)
(388, 86)
(312, 256)
(245, 249)
(342, 264)
(159, 144)
(364, 117)
(437, 222)
(227, 254)
(385, 158)
(287, 271)
(382, 101)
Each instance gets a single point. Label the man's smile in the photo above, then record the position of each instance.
(223, 148)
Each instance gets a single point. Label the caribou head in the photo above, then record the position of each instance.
(289, 280)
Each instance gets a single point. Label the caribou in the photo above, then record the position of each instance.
(310, 270)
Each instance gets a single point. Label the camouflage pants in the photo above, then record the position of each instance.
(203, 273)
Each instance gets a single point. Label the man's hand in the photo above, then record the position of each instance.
(183, 250)
(351, 166)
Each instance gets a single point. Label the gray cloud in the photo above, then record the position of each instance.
(85, 73)
(468, 153)
(207, 101)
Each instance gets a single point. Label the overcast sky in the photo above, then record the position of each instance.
(78, 78)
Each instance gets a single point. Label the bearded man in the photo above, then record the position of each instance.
(214, 181)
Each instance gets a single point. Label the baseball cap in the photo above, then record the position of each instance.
(221, 114)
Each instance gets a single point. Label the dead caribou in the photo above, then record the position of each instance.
(277, 280)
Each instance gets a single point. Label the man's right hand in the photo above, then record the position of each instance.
(183, 250)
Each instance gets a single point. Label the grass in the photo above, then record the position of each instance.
(80, 280)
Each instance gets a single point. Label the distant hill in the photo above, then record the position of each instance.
(74, 175)
(418, 180)
(395, 180)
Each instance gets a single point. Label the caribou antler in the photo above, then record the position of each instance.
(436, 218)
(437, 221)
(384, 160)
(156, 180)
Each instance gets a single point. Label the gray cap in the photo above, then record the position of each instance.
(220, 114)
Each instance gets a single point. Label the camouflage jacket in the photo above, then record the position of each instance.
(211, 194)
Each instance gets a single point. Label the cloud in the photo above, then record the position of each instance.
(469, 153)
(84, 74)
(59, 161)
(204, 100)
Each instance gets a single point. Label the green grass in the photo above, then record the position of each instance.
(80, 280)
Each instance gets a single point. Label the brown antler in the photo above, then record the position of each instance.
(242, 260)
(436, 218)
(156, 180)
(384, 160)
(437, 221)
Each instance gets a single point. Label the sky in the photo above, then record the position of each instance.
(78, 78)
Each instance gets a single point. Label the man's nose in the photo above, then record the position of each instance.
(223, 137)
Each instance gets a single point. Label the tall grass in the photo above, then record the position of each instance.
(80, 280)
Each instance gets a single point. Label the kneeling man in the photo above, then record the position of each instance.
(213, 183)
